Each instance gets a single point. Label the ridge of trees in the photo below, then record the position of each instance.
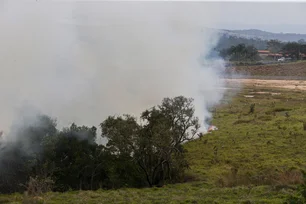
(234, 48)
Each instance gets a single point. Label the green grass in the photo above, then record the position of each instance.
(252, 158)
(266, 147)
(196, 192)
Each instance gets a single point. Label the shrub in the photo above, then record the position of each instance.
(300, 197)
(37, 186)
(252, 108)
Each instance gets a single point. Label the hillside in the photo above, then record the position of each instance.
(260, 148)
(253, 157)
(257, 38)
(254, 33)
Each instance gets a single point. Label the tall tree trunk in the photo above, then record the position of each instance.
(91, 180)
(146, 173)
(80, 184)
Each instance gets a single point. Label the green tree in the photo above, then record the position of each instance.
(274, 46)
(154, 145)
(251, 53)
(292, 49)
(303, 48)
(302, 42)
(22, 155)
(74, 158)
(240, 52)
(226, 41)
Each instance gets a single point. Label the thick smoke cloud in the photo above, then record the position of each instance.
(80, 62)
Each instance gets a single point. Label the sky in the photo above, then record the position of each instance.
(286, 17)
(81, 62)
(273, 16)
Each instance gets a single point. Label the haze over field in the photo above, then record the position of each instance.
(80, 62)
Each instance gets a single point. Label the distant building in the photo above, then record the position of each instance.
(275, 56)
(267, 54)
(263, 53)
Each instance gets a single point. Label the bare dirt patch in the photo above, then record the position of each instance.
(286, 84)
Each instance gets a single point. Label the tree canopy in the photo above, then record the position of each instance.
(155, 146)
(274, 46)
(141, 152)
(294, 49)
(234, 48)
(241, 52)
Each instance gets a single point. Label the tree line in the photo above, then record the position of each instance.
(227, 41)
(142, 152)
(240, 52)
(241, 49)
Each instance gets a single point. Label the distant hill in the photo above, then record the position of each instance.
(226, 41)
(264, 35)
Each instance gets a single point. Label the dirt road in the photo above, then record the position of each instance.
(286, 84)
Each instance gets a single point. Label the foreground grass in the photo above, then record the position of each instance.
(195, 192)
(252, 158)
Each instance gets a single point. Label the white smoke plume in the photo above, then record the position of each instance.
(80, 62)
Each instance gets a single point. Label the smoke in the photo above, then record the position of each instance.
(80, 62)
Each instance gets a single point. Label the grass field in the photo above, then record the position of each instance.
(253, 157)
(196, 192)
(264, 147)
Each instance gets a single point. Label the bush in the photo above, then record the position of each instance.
(252, 108)
(37, 186)
(300, 197)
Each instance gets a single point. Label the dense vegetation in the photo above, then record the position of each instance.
(256, 156)
(137, 154)
(235, 48)
(240, 53)
(227, 41)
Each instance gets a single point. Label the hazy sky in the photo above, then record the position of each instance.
(270, 16)
(81, 62)
(273, 16)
